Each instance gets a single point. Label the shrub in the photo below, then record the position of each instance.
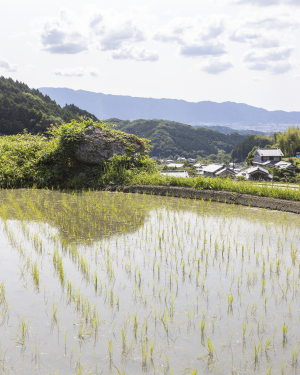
(36, 160)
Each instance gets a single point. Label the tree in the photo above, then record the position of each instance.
(289, 137)
(250, 156)
(243, 148)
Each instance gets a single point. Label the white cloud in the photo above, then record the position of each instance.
(113, 31)
(7, 66)
(206, 49)
(244, 35)
(196, 36)
(134, 53)
(110, 31)
(274, 21)
(272, 54)
(257, 79)
(63, 35)
(274, 60)
(267, 42)
(216, 65)
(77, 72)
(257, 39)
(259, 66)
(283, 67)
(188, 30)
(280, 67)
(264, 3)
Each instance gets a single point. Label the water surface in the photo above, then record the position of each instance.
(102, 282)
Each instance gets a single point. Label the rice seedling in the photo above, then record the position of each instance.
(210, 348)
(110, 349)
(35, 275)
(20, 337)
(284, 331)
(151, 263)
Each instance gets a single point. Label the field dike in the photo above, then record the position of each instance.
(214, 196)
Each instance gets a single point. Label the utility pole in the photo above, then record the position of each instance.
(290, 148)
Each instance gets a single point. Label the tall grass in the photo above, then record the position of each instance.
(220, 184)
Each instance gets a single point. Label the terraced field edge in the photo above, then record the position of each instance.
(214, 196)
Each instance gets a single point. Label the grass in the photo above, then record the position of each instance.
(218, 184)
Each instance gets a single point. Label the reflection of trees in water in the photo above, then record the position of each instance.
(79, 216)
(94, 215)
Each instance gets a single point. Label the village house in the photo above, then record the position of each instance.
(255, 173)
(217, 170)
(211, 169)
(225, 172)
(183, 174)
(285, 165)
(267, 156)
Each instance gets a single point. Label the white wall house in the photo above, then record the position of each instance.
(262, 155)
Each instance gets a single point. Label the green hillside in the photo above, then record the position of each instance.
(173, 139)
(24, 108)
(242, 150)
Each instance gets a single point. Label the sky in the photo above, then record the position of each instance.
(244, 51)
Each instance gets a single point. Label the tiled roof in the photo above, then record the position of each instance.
(212, 168)
(223, 170)
(268, 152)
(247, 172)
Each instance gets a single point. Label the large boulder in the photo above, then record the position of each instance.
(98, 145)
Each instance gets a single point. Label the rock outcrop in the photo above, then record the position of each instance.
(99, 145)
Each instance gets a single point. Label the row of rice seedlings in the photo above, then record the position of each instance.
(184, 258)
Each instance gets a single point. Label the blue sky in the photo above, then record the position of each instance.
(244, 51)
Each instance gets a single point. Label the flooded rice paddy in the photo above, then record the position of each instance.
(112, 283)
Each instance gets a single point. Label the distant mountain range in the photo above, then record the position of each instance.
(234, 115)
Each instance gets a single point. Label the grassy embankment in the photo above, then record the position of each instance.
(28, 160)
(219, 184)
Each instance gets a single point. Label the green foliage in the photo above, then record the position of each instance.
(241, 187)
(173, 139)
(283, 142)
(221, 158)
(242, 150)
(24, 108)
(250, 156)
(36, 160)
(285, 175)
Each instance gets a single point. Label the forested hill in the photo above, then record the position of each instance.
(242, 150)
(24, 108)
(172, 139)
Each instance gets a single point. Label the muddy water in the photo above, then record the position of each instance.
(117, 283)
